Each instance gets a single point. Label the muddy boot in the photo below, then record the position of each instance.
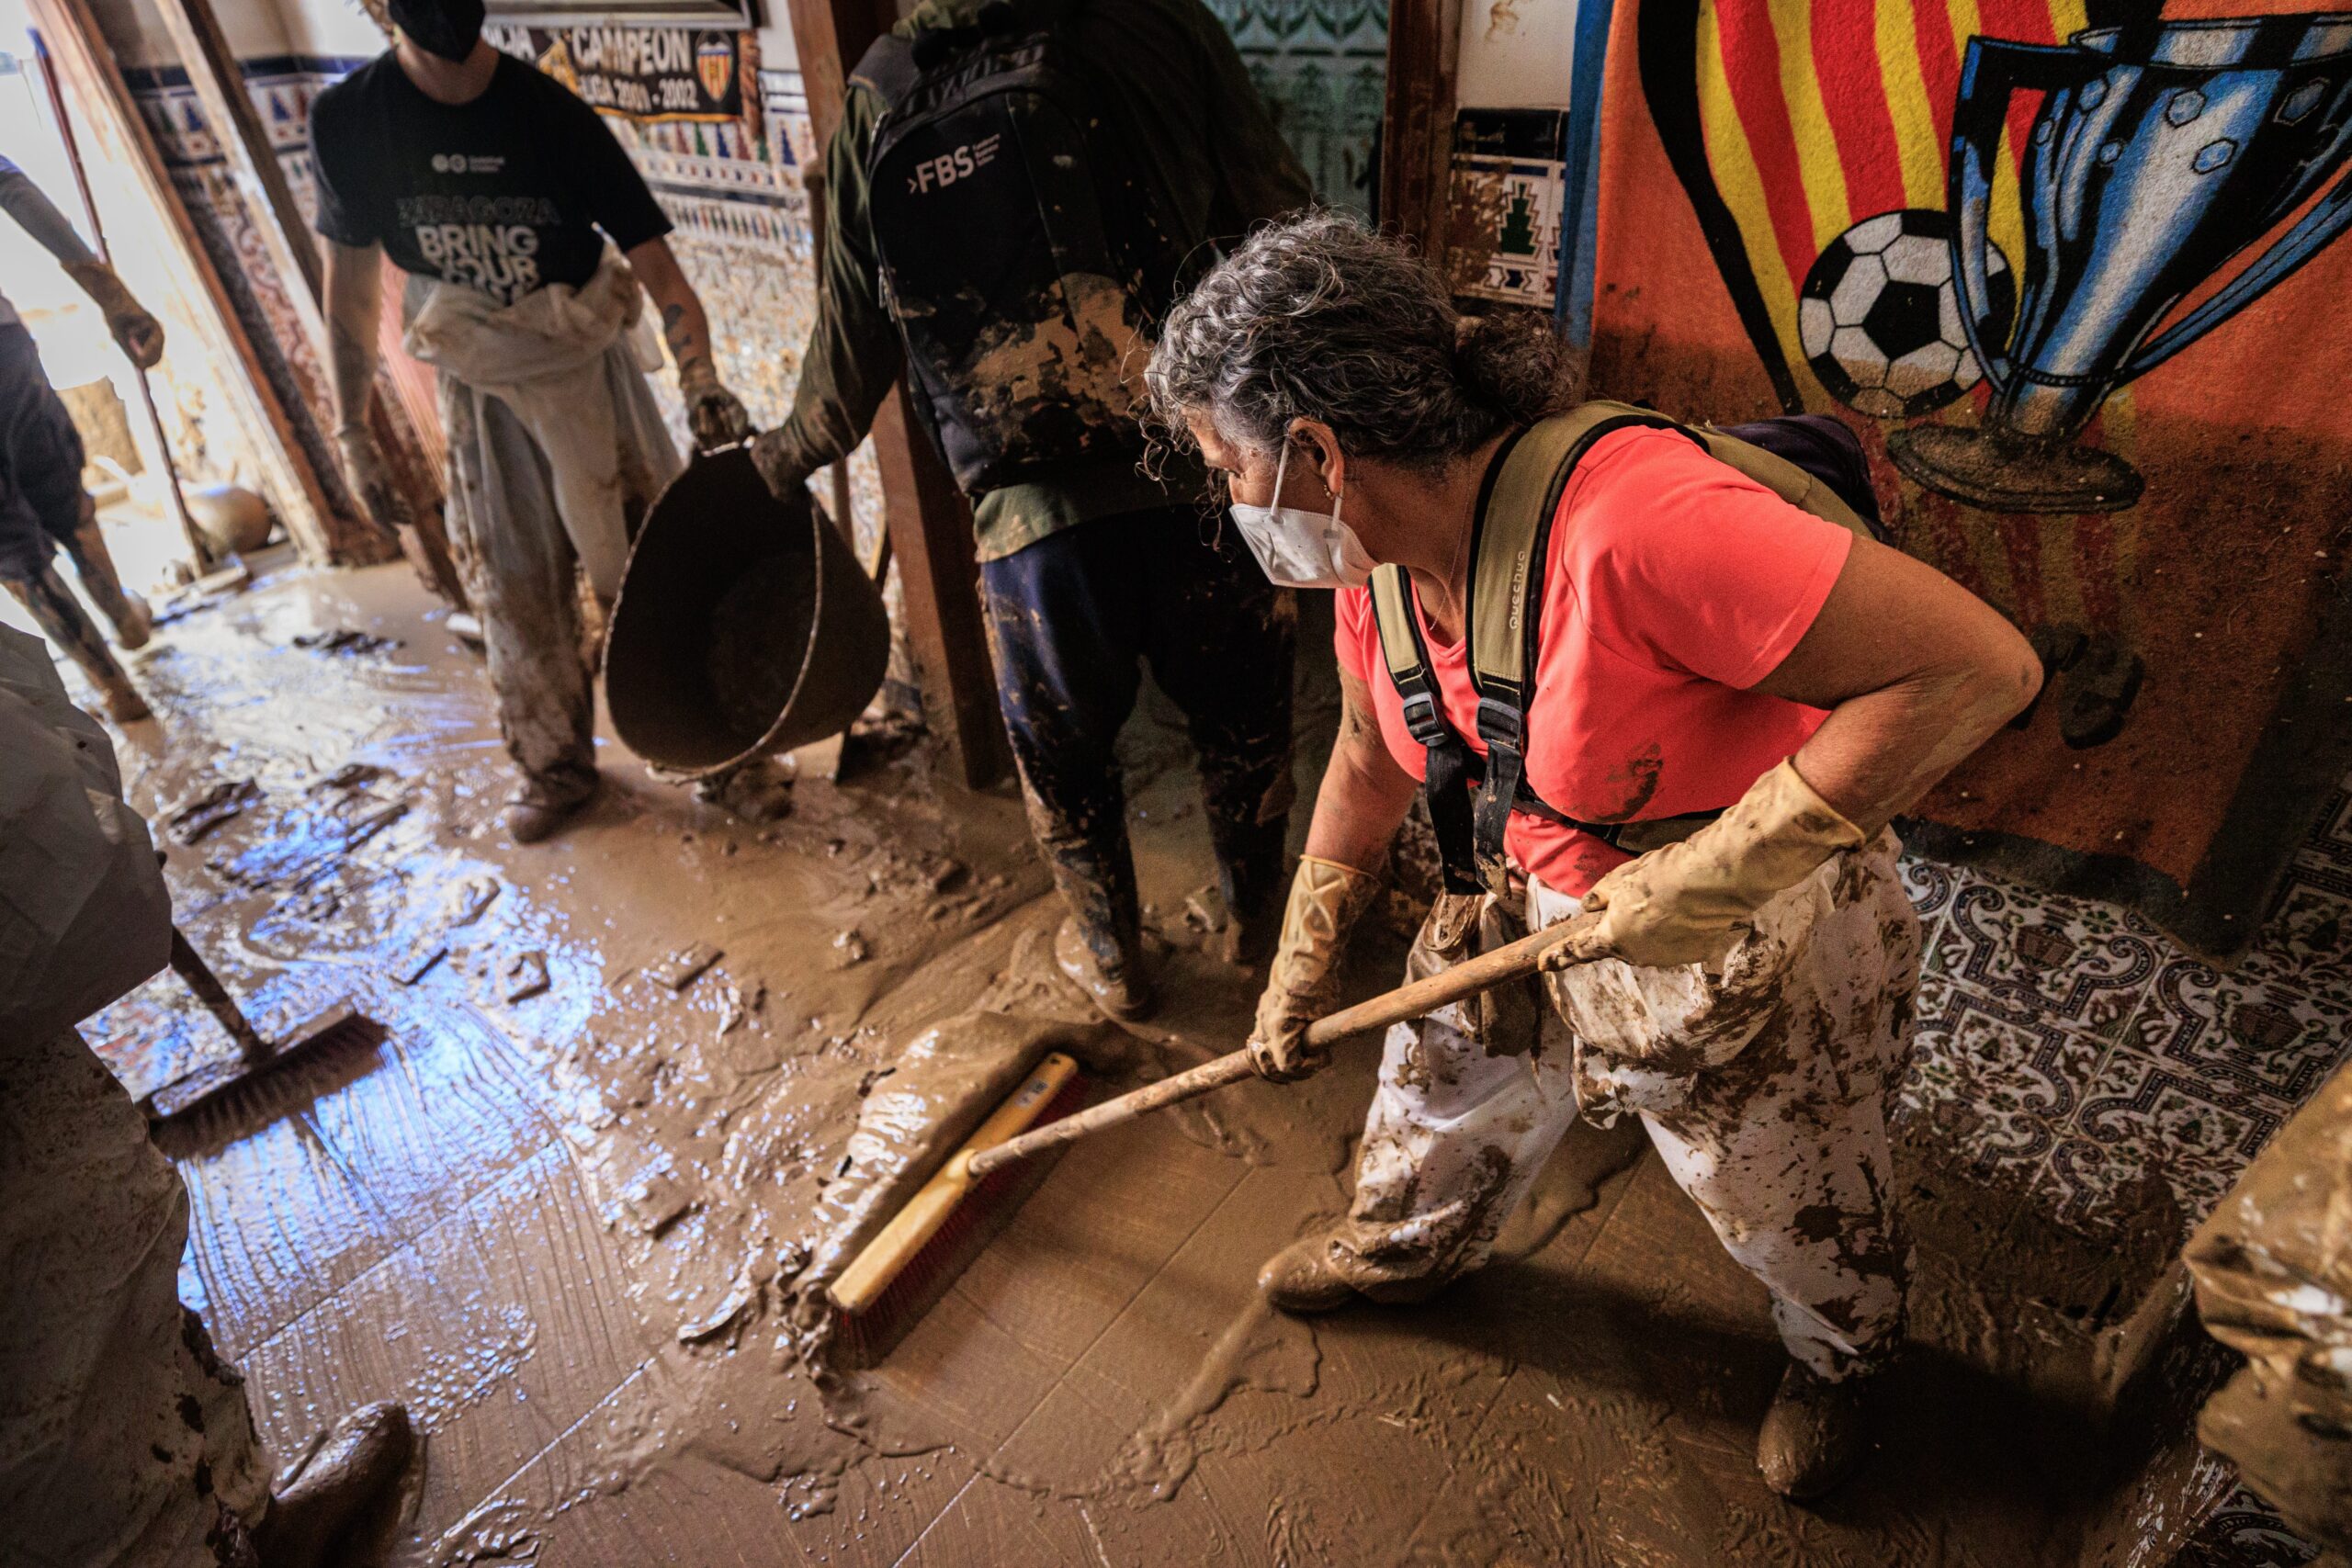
(1814, 1434)
(356, 1465)
(1109, 971)
(94, 564)
(62, 620)
(542, 806)
(1300, 1279)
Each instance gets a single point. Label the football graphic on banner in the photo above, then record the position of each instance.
(1878, 318)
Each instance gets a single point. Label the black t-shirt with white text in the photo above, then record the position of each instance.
(505, 193)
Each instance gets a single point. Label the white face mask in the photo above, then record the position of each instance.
(1301, 549)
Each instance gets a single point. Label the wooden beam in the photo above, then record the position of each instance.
(1416, 126)
(93, 77)
(931, 534)
(930, 527)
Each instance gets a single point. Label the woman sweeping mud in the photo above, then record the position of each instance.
(1694, 748)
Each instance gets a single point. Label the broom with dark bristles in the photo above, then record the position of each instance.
(341, 1024)
(908, 1265)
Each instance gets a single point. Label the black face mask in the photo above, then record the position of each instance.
(445, 27)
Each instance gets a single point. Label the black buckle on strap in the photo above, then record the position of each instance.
(1423, 718)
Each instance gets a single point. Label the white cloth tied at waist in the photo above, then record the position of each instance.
(548, 358)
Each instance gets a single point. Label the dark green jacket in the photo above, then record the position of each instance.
(1219, 158)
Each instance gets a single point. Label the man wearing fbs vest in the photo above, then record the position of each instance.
(1138, 115)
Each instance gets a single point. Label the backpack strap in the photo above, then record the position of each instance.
(1509, 551)
(888, 70)
(1449, 768)
(1798, 487)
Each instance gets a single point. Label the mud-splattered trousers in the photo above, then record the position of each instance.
(1764, 1088)
(123, 1439)
(522, 570)
(43, 505)
(1070, 618)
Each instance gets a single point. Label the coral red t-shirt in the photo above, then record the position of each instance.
(1674, 583)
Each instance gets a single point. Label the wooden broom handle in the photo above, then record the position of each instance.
(1468, 978)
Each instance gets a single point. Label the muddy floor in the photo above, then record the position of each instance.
(551, 1205)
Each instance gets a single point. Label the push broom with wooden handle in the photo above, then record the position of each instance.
(914, 1258)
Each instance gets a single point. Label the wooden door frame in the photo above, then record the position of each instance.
(1417, 122)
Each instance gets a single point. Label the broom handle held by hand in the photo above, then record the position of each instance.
(1513, 962)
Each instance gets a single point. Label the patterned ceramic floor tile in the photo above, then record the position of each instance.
(2081, 964)
(2174, 1125)
(2308, 940)
(2245, 1532)
(1996, 1081)
(1931, 884)
(2240, 1034)
(2093, 1187)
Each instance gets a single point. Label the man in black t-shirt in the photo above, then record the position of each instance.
(505, 199)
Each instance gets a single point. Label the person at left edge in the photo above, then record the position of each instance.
(531, 242)
(42, 503)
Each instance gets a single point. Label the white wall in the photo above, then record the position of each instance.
(335, 29)
(136, 29)
(1516, 54)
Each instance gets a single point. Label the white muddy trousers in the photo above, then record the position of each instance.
(122, 1440)
(1764, 1088)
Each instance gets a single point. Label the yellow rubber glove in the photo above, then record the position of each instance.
(1687, 903)
(1326, 900)
(139, 334)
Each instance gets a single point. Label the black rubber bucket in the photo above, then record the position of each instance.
(744, 625)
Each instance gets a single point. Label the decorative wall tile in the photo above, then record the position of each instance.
(1504, 192)
(1321, 66)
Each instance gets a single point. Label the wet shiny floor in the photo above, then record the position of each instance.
(549, 1209)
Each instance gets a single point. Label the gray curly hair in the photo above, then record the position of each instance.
(1319, 318)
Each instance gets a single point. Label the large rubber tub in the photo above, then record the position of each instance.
(745, 624)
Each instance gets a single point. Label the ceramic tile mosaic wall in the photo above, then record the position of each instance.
(1322, 66)
(281, 88)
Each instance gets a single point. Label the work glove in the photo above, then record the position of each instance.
(369, 477)
(1326, 900)
(139, 334)
(1689, 902)
(715, 416)
(778, 458)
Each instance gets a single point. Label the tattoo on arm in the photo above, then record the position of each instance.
(354, 294)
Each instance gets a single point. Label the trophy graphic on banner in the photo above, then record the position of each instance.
(2161, 151)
